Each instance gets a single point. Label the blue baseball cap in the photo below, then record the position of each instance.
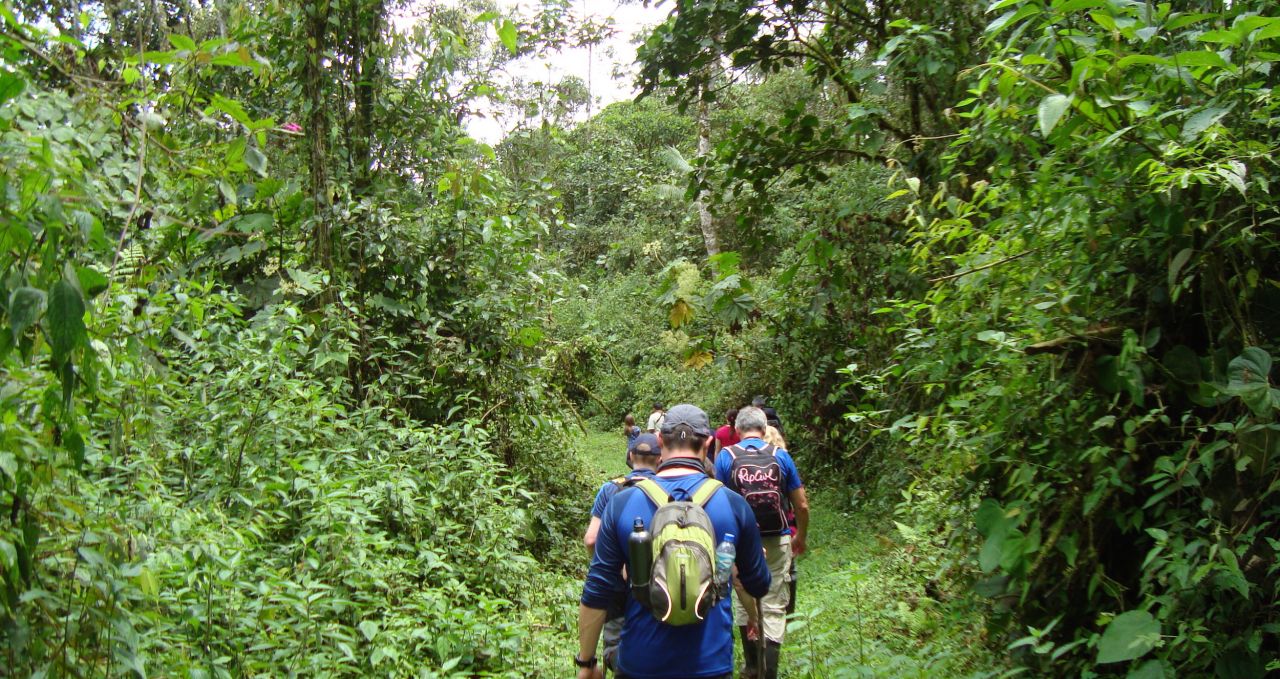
(645, 444)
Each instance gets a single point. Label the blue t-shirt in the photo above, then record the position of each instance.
(790, 475)
(653, 650)
(609, 489)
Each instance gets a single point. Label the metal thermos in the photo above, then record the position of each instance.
(640, 561)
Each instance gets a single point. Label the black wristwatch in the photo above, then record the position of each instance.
(588, 664)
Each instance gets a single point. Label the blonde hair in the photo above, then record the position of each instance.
(774, 437)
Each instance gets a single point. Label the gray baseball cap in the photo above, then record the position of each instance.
(688, 415)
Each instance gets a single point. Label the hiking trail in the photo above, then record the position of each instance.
(865, 607)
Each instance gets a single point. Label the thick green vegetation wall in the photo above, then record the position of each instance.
(270, 400)
(290, 360)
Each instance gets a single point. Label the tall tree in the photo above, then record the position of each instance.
(314, 81)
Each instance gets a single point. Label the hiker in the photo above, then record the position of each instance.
(642, 457)
(678, 632)
(726, 435)
(774, 438)
(770, 415)
(767, 476)
(629, 429)
(654, 425)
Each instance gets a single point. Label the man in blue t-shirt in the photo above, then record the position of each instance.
(781, 544)
(642, 457)
(651, 649)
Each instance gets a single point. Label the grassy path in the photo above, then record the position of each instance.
(864, 608)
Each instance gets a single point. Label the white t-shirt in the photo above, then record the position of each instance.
(656, 418)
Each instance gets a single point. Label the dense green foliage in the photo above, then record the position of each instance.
(266, 387)
(291, 362)
(1082, 335)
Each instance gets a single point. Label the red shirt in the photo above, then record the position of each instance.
(727, 436)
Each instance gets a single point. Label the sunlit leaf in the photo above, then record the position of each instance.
(1051, 110)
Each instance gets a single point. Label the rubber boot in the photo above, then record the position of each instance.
(750, 651)
(772, 650)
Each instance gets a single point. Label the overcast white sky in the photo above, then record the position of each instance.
(617, 54)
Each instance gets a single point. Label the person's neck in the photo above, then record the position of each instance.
(680, 465)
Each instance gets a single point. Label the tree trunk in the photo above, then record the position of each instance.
(318, 132)
(705, 219)
(367, 69)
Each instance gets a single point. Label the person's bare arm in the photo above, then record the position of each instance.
(800, 505)
(589, 538)
(590, 623)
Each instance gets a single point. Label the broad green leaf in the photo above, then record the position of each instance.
(1151, 669)
(1199, 58)
(1145, 59)
(1130, 635)
(65, 320)
(1008, 18)
(1076, 5)
(1267, 33)
(369, 629)
(73, 442)
(92, 282)
(182, 42)
(1234, 173)
(1248, 377)
(11, 85)
(148, 584)
(1175, 265)
(1219, 37)
(1202, 121)
(25, 306)
(255, 160)
(509, 35)
(1051, 110)
(990, 518)
(230, 107)
(130, 75)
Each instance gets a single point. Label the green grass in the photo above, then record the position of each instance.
(863, 609)
(606, 453)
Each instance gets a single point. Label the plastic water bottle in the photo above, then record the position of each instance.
(640, 560)
(726, 554)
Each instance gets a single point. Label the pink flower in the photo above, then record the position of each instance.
(291, 127)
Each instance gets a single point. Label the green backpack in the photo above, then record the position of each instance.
(682, 587)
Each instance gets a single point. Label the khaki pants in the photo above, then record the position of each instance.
(777, 553)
